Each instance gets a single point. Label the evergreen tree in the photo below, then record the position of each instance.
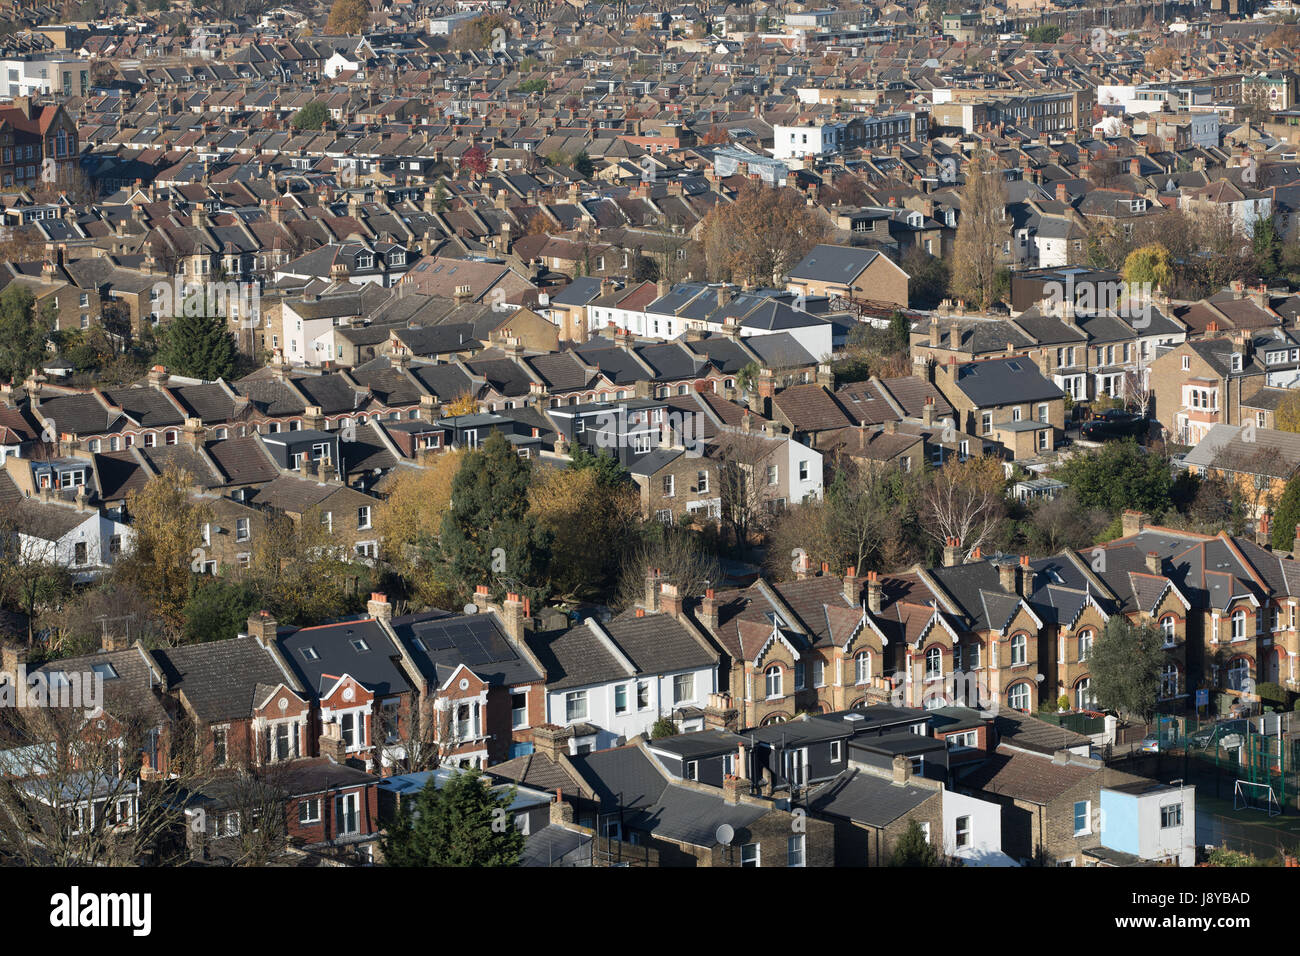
(23, 333)
(1287, 515)
(199, 346)
(312, 116)
(913, 849)
(981, 231)
(462, 824)
(488, 535)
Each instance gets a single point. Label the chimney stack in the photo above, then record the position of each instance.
(652, 590)
(512, 616)
(951, 552)
(1007, 577)
(875, 593)
(902, 770)
(1153, 562)
(709, 611)
(852, 586)
(670, 601)
(379, 608)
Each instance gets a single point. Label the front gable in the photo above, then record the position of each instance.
(345, 693)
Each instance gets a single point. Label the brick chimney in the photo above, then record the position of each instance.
(1025, 577)
(875, 593)
(551, 740)
(1264, 532)
(1153, 563)
(1007, 577)
(1295, 542)
(331, 742)
(902, 768)
(951, 552)
(512, 616)
(720, 714)
(379, 608)
(1132, 522)
(708, 611)
(670, 601)
(652, 581)
(852, 586)
(262, 625)
(732, 788)
(561, 811)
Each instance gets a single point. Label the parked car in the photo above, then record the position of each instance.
(1114, 424)
(1209, 736)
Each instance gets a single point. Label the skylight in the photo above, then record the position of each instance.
(309, 653)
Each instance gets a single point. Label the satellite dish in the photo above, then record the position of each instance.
(725, 834)
(471, 609)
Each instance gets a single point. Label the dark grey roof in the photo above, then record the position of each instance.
(556, 846)
(827, 263)
(865, 798)
(376, 667)
(439, 642)
(219, 679)
(1004, 381)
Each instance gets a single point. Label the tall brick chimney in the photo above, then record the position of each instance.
(512, 616)
(852, 586)
(670, 600)
(551, 740)
(708, 612)
(952, 552)
(902, 768)
(1132, 522)
(875, 593)
(379, 608)
(1007, 577)
(652, 581)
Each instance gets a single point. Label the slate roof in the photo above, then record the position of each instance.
(866, 798)
(1004, 381)
(375, 667)
(220, 678)
(478, 641)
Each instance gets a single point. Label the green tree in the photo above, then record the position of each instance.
(1287, 515)
(1125, 664)
(23, 332)
(1044, 33)
(1266, 246)
(1120, 475)
(463, 823)
(913, 849)
(610, 473)
(200, 346)
(488, 535)
(663, 727)
(217, 609)
(532, 86)
(312, 116)
(583, 165)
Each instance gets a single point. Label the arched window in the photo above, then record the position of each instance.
(1239, 674)
(1018, 697)
(1238, 625)
(933, 664)
(774, 681)
(1019, 650)
(862, 667)
(1085, 644)
(771, 719)
(1169, 681)
(1083, 696)
(1167, 625)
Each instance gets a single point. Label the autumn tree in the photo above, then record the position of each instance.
(474, 161)
(410, 522)
(1161, 58)
(167, 520)
(981, 233)
(760, 236)
(347, 17)
(303, 575)
(463, 404)
(679, 556)
(1148, 266)
(966, 500)
(591, 522)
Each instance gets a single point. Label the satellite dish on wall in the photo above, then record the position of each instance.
(471, 609)
(725, 834)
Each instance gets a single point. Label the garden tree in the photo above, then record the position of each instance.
(315, 114)
(532, 86)
(259, 797)
(77, 626)
(200, 346)
(474, 161)
(302, 574)
(217, 609)
(845, 190)
(1125, 665)
(51, 784)
(416, 741)
(347, 17)
(440, 202)
(745, 495)
(1287, 415)
(33, 576)
(870, 351)
(410, 522)
(913, 849)
(929, 278)
(1120, 475)
(168, 520)
(21, 244)
(463, 404)
(965, 500)
(1266, 246)
(1044, 33)
(679, 557)
(591, 524)
(663, 727)
(1055, 524)
(1161, 58)
(1148, 265)
(1286, 516)
(462, 824)
(609, 472)
(716, 135)
(488, 535)
(24, 331)
(760, 236)
(981, 232)
(477, 34)
(1251, 470)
